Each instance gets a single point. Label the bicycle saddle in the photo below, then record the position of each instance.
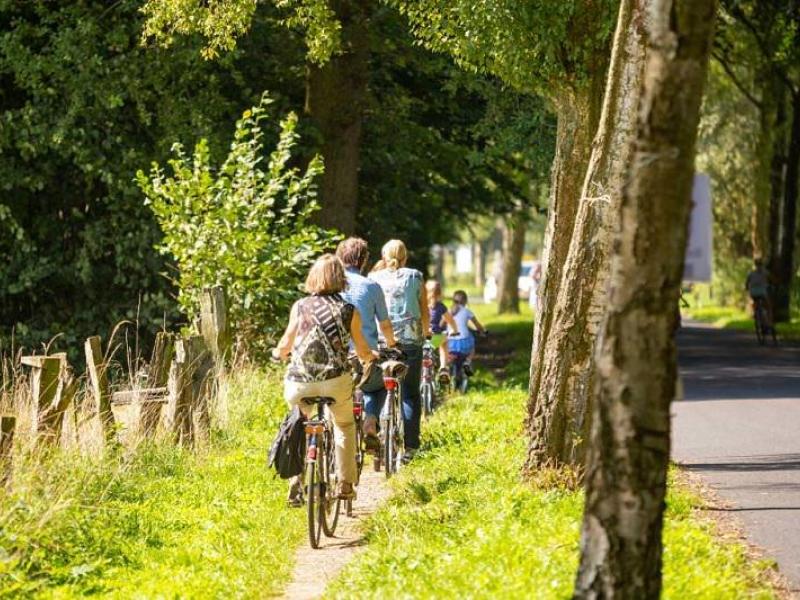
(394, 368)
(318, 400)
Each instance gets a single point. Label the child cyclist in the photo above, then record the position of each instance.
(441, 321)
(461, 339)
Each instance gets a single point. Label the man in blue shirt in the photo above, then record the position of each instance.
(367, 296)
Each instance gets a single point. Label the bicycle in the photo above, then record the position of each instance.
(459, 378)
(361, 450)
(320, 473)
(429, 386)
(391, 418)
(761, 320)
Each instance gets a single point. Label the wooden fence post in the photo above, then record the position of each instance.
(157, 377)
(7, 425)
(45, 379)
(215, 324)
(99, 382)
(188, 390)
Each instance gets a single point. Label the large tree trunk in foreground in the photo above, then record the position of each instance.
(621, 546)
(513, 247)
(335, 100)
(578, 113)
(558, 429)
(784, 272)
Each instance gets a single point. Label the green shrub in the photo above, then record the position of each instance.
(242, 226)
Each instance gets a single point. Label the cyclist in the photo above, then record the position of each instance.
(317, 338)
(367, 297)
(757, 285)
(461, 339)
(408, 312)
(441, 320)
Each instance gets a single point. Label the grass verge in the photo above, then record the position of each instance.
(461, 523)
(728, 317)
(162, 522)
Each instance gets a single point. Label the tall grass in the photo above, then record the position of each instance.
(156, 521)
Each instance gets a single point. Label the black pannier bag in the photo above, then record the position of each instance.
(287, 454)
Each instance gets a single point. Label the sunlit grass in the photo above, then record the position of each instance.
(163, 522)
(463, 524)
(728, 317)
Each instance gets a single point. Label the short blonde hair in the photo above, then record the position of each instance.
(326, 276)
(394, 254)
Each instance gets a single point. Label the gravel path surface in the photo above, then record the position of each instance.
(315, 568)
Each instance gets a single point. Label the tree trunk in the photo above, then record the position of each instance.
(765, 146)
(559, 396)
(335, 95)
(513, 247)
(776, 184)
(578, 115)
(784, 272)
(621, 546)
(480, 248)
(438, 263)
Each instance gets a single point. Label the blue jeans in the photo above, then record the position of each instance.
(373, 402)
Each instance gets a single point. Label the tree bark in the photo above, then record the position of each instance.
(776, 184)
(765, 146)
(578, 114)
(621, 546)
(559, 396)
(784, 273)
(335, 95)
(513, 247)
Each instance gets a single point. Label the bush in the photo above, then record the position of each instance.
(243, 227)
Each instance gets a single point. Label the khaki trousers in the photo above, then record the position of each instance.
(341, 413)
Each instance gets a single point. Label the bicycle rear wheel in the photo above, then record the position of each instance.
(388, 434)
(330, 505)
(313, 502)
(427, 399)
(759, 324)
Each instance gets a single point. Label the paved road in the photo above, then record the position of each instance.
(739, 428)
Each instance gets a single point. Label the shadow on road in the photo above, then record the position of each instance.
(730, 365)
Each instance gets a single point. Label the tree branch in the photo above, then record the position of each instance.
(736, 81)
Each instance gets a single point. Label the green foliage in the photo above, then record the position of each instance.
(242, 226)
(535, 46)
(161, 522)
(82, 106)
(221, 23)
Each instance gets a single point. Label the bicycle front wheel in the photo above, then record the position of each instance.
(330, 505)
(313, 502)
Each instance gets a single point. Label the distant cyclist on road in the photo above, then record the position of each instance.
(757, 285)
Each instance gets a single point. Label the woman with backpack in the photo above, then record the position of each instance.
(316, 342)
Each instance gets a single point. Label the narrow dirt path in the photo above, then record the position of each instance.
(315, 568)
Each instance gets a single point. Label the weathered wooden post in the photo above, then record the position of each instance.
(45, 378)
(99, 384)
(188, 389)
(215, 324)
(51, 420)
(7, 425)
(157, 378)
